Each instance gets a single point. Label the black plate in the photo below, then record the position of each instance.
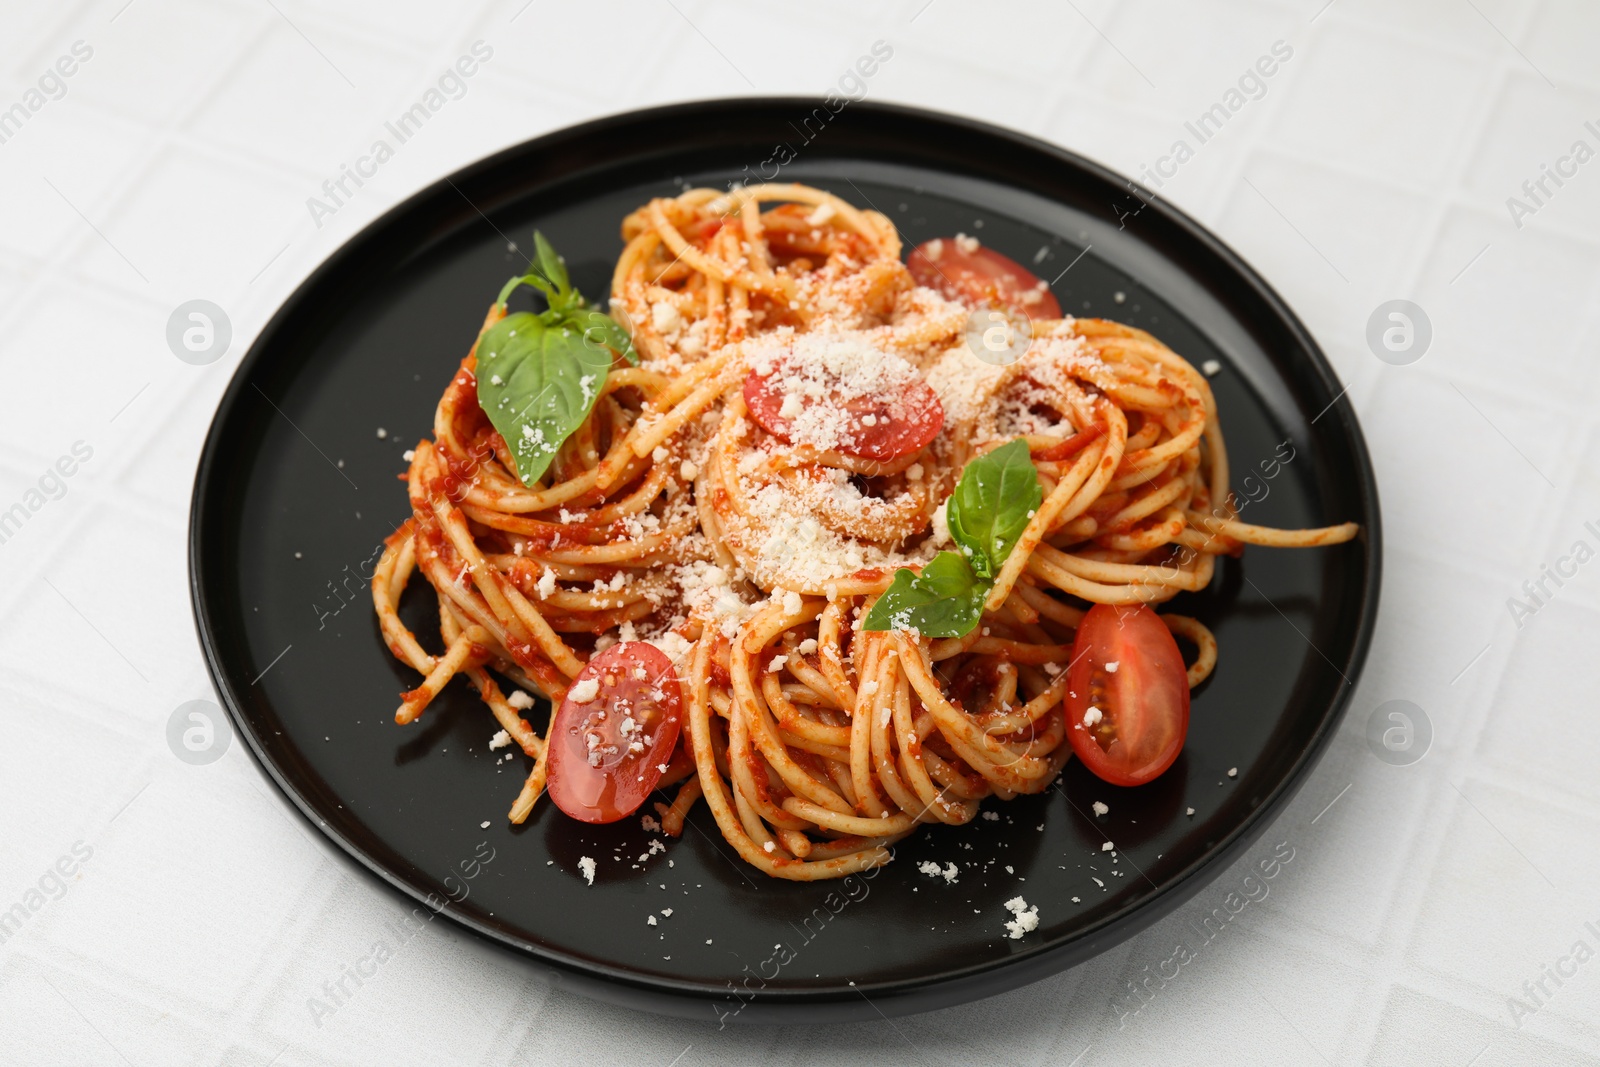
(295, 490)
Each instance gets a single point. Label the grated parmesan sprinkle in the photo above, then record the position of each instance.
(1025, 918)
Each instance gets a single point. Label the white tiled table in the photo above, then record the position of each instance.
(1376, 166)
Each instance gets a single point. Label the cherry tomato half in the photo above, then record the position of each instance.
(1127, 695)
(614, 733)
(980, 278)
(875, 427)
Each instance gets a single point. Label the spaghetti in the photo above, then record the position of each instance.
(675, 515)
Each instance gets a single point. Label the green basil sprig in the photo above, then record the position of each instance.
(945, 600)
(539, 375)
(997, 495)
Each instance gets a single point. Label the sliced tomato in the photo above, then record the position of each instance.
(980, 278)
(1127, 695)
(874, 427)
(614, 733)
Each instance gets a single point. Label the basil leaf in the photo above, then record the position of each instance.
(601, 330)
(549, 265)
(997, 495)
(547, 274)
(539, 375)
(537, 383)
(945, 600)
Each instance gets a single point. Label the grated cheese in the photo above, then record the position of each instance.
(1025, 918)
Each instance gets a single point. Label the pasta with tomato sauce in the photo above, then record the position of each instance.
(793, 548)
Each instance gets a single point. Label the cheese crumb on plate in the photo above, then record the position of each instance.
(1026, 918)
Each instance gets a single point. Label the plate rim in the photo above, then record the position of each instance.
(770, 1004)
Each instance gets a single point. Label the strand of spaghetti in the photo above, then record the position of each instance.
(414, 702)
(509, 496)
(394, 567)
(1266, 535)
(707, 514)
(752, 794)
(912, 772)
(716, 314)
(839, 771)
(1041, 705)
(1205, 541)
(502, 597)
(1089, 463)
(867, 800)
(802, 732)
(1019, 619)
(1176, 491)
(650, 434)
(759, 631)
(532, 787)
(1205, 642)
(639, 552)
(638, 249)
(1048, 606)
(998, 762)
(797, 843)
(1148, 434)
(1217, 455)
(486, 486)
(1043, 566)
(656, 480)
(879, 716)
(853, 217)
(755, 827)
(755, 242)
(953, 783)
(1012, 652)
(464, 379)
(829, 819)
(717, 796)
(951, 647)
(442, 576)
(1124, 573)
(488, 690)
(830, 657)
(688, 793)
(691, 379)
(1109, 449)
(812, 678)
(1153, 350)
(830, 754)
(705, 264)
(506, 715)
(1168, 528)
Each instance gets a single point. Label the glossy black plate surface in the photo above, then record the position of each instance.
(296, 489)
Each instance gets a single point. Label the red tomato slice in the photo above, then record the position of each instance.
(981, 278)
(875, 427)
(606, 752)
(1127, 695)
